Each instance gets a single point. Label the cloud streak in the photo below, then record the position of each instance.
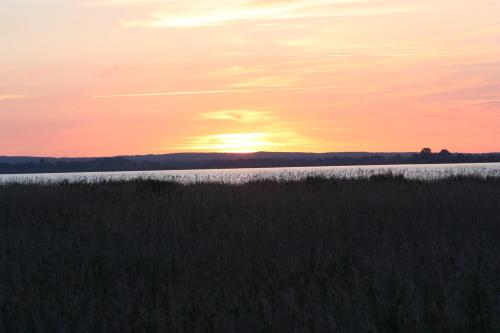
(121, 2)
(241, 116)
(12, 97)
(189, 14)
(216, 92)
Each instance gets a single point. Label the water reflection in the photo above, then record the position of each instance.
(235, 176)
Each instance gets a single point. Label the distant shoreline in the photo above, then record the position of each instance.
(211, 161)
(251, 167)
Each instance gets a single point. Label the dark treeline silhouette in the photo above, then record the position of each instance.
(380, 254)
(221, 161)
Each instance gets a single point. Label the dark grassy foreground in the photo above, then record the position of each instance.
(374, 255)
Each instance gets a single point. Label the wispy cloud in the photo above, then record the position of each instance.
(242, 116)
(493, 105)
(120, 2)
(191, 14)
(234, 71)
(175, 93)
(233, 54)
(215, 92)
(10, 97)
(297, 42)
(267, 82)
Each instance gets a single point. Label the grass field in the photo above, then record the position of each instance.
(380, 254)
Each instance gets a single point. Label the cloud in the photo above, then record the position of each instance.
(297, 42)
(473, 82)
(485, 91)
(175, 93)
(234, 54)
(493, 105)
(215, 92)
(11, 97)
(120, 2)
(234, 71)
(267, 82)
(190, 14)
(242, 116)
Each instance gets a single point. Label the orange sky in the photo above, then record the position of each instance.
(110, 77)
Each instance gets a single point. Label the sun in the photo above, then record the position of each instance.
(233, 142)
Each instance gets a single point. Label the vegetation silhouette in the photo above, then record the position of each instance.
(379, 254)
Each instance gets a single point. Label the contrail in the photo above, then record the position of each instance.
(213, 92)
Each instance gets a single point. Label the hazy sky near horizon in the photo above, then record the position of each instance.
(110, 77)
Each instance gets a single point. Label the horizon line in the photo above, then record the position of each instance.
(236, 153)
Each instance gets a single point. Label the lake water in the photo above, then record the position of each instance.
(420, 171)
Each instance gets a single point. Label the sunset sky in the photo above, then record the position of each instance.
(112, 77)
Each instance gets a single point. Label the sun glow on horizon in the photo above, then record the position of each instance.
(248, 142)
(232, 143)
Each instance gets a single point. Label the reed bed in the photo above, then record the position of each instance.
(380, 253)
(240, 176)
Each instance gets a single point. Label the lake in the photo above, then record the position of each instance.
(419, 171)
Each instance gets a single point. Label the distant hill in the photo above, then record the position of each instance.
(191, 157)
(257, 155)
(31, 164)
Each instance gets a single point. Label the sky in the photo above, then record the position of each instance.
(116, 77)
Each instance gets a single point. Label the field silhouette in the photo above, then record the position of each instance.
(379, 254)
